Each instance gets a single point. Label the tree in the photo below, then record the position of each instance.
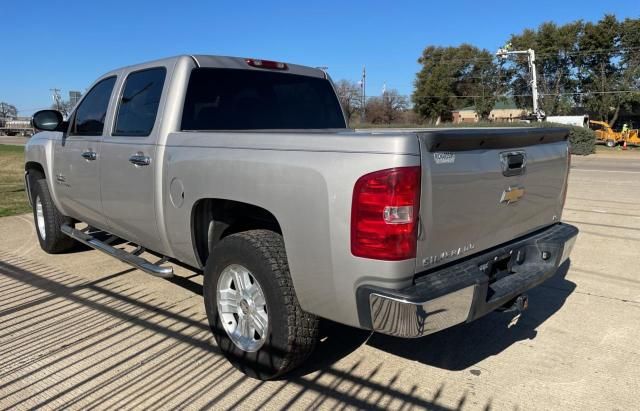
(8, 110)
(630, 52)
(63, 106)
(578, 64)
(600, 71)
(350, 97)
(455, 77)
(555, 47)
(386, 109)
(593, 65)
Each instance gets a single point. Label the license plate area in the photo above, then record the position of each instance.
(497, 267)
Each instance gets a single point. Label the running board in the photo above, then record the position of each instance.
(130, 258)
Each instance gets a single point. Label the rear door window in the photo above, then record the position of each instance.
(233, 99)
(138, 106)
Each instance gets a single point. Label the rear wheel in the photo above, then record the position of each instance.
(611, 143)
(252, 308)
(48, 221)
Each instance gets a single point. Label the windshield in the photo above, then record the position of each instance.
(232, 99)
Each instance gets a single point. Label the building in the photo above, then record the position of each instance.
(503, 111)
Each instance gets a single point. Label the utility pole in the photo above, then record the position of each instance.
(531, 58)
(57, 100)
(363, 89)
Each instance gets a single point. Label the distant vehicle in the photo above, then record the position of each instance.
(605, 134)
(577, 121)
(245, 168)
(17, 128)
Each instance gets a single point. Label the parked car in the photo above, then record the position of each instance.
(245, 168)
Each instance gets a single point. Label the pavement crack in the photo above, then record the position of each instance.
(564, 289)
(623, 300)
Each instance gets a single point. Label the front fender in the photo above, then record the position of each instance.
(38, 155)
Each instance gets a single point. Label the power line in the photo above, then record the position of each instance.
(529, 95)
(541, 56)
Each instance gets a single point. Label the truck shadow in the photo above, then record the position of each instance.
(69, 342)
(456, 348)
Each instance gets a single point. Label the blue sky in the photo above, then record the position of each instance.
(68, 44)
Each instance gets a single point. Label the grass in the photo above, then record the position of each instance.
(13, 197)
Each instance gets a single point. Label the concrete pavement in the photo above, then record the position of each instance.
(14, 140)
(83, 330)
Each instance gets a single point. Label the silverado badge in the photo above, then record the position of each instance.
(512, 195)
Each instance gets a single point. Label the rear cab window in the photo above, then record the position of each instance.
(236, 99)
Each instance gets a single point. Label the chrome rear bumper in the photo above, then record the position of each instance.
(468, 290)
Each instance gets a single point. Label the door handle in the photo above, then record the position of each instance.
(89, 155)
(139, 159)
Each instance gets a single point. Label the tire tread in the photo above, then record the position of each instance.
(56, 241)
(303, 327)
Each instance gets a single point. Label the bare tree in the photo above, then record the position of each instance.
(350, 98)
(64, 107)
(387, 109)
(8, 110)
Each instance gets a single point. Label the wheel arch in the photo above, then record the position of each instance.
(213, 219)
(33, 171)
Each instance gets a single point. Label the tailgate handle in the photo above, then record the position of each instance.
(513, 163)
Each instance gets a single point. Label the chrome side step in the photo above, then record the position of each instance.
(130, 258)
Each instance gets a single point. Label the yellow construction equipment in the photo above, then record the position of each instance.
(605, 134)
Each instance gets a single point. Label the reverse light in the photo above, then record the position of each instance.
(267, 64)
(384, 214)
(398, 215)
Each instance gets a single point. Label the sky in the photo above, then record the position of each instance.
(68, 44)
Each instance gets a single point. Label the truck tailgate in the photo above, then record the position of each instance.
(485, 187)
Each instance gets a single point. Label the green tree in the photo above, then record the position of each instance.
(599, 67)
(608, 66)
(555, 47)
(455, 77)
(630, 62)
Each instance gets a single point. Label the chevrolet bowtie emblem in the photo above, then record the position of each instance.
(512, 195)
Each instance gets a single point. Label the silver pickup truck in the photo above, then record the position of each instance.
(245, 168)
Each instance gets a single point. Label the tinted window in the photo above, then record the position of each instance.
(138, 106)
(229, 99)
(89, 117)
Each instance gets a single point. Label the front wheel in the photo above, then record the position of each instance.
(252, 307)
(49, 220)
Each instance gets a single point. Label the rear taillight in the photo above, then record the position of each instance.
(384, 214)
(267, 64)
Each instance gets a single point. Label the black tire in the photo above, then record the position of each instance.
(292, 333)
(610, 143)
(54, 241)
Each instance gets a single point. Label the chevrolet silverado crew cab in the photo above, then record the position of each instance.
(246, 169)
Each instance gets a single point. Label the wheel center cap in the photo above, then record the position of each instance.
(244, 306)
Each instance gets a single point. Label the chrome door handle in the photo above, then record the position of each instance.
(89, 155)
(139, 159)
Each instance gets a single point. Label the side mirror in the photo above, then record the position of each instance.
(47, 120)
